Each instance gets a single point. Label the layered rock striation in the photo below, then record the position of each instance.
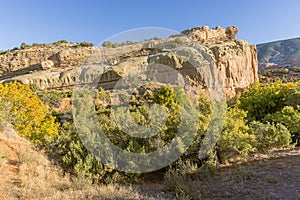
(217, 50)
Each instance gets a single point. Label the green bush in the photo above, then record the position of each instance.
(107, 44)
(60, 42)
(85, 44)
(52, 98)
(239, 136)
(270, 135)
(68, 149)
(74, 156)
(38, 45)
(23, 45)
(290, 118)
(235, 138)
(262, 100)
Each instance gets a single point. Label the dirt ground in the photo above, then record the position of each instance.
(274, 176)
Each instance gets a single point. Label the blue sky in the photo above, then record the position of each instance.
(38, 21)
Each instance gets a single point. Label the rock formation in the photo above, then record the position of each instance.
(56, 66)
(206, 35)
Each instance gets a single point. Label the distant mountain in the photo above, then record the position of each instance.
(279, 54)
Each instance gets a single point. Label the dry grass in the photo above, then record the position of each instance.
(30, 175)
(181, 181)
(274, 175)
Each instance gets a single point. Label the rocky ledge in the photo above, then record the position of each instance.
(57, 66)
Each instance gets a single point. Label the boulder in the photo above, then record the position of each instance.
(47, 64)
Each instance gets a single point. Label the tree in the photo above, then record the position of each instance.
(107, 44)
(23, 45)
(26, 112)
(86, 44)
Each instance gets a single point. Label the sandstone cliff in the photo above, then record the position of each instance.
(56, 66)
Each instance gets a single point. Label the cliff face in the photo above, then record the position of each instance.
(56, 66)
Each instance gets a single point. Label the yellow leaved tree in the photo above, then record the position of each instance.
(23, 109)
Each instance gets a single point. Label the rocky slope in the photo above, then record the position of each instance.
(279, 54)
(58, 66)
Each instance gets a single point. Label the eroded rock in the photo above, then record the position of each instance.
(235, 61)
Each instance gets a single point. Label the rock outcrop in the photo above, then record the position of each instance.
(204, 34)
(57, 66)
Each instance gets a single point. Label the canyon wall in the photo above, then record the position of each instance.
(57, 66)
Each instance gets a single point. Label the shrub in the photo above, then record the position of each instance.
(235, 138)
(22, 108)
(85, 44)
(290, 118)
(15, 48)
(38, 44)
(270, 135)
(107, 44)
(293, 99)
(52, 98)
(23, 45)
(60, 42)
(73, 156)
(179, 180)
(262, 100)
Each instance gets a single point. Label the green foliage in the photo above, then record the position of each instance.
(116, 44)
(259, 101)
(23, 45)
(270, 135)
(179, 40)
(271, 120)
(85, 44)
(139, 111)
(293, 98)
(243, 131)
(15, 48)
(107, 44)
(235, 138)
(38, 45)
(73, 155)
(52, 98)
(60, 42)
(22, 108)
(286, 74)
(290, 118)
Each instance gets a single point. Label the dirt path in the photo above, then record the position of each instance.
(276, 178)
(9, 172)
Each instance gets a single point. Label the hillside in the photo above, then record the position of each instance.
(279, 54)
(26, 173)
(134, 121)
